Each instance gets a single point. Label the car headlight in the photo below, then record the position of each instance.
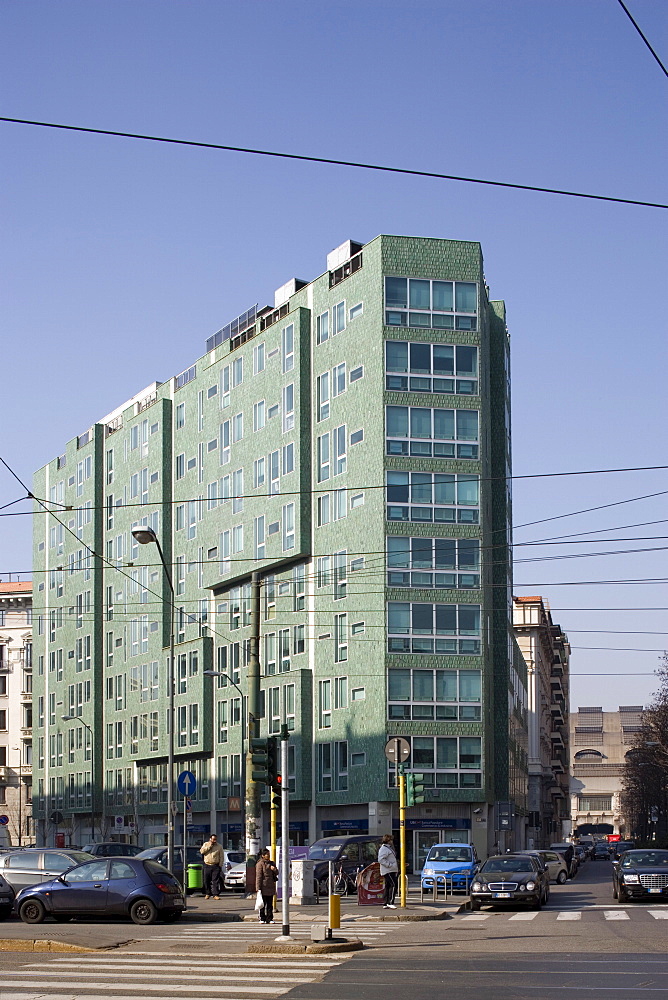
(630, 878)
(529, 886)
(428, 871)
(477, 887)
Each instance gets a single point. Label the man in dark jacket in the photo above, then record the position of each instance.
(266, 877)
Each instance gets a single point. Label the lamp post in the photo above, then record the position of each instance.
(20, 809)
(221, 673)
(77, 718)
(147, 536)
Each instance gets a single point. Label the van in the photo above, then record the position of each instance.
(349, 855)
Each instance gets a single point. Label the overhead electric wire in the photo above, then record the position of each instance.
(333, 162)
(587, 510)
(642, 34)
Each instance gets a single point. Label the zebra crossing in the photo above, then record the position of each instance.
(106, 977)
(567, 915)
(249, 931)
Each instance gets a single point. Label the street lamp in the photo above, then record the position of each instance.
(77, 718)
(147, 536)
(20, 825)
(221, 673)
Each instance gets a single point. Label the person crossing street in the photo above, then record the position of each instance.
(266, 877)
(212, 855)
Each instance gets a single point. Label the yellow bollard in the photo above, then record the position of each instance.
(335, 911)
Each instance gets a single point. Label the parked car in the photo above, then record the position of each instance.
(554, 863)
(581, 852)
(510, 878)
(159, 854)
(140, 889)
(33, 865)
(568, 852)
(111, 850)
(640, 874)
(601, 852)
(619, 847)
(235, 877)
(7, 895)
(349, 854)
(457, 862)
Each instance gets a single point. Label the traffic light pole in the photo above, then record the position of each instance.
(253, 806)
(402, 835)
(285, 838)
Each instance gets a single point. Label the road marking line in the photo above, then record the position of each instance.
(524, 916)
(569, 915)
(659, 914)
(615, 915)
(477, 916)
(127, 962)
(239, 987)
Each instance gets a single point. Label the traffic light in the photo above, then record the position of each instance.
(276, 792)
(274, 761)
(414, 789)
(260, 760)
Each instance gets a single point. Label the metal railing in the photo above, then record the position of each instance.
(446, 883)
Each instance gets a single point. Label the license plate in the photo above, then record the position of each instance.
(501, 895)
(654, 890)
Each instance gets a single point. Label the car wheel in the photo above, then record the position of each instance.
(622, 896)
(143, 911)
(172, 917)
(614, 891)
(32, 911)
(562, 877)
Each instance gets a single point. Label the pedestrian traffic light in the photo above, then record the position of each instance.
(260, 760)
(414, 789)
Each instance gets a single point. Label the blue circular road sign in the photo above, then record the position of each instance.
(186, 783)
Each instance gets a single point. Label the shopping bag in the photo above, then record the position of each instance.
(259, 902)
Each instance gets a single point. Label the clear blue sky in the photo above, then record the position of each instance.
(120, 257)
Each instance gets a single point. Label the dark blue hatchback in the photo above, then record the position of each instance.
(107, 887)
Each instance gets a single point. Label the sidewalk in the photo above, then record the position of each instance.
(237, 907)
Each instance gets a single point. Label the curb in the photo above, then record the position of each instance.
(37, 944)
(322, 948)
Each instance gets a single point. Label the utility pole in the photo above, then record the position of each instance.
(253, 807)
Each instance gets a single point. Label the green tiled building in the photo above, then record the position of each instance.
(352, 444)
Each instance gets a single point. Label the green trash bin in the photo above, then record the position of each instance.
(195, 877)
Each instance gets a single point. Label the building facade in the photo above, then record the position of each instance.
(16, 713)
(599, 743)
(352, 444)
(546, 651)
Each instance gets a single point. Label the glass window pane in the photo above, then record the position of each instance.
(469, 685)
(444, 488)
(467, 361)
(423, 685)
(423, 619)
(446, 752)
(398, 552)
(421, 555)
(469, 553)
(399, 685)
(465, 296)
(396, 356)
(396, 292)
(445, 553)
(444, 359)
(444, 424)
(423, 752)
(421, 487)
(421, 359)
(442, 321)
(446, 685)
(467, 490)
(469, 619)
(420, 297)
(420, 421)
(442, 294)
(397, 487)
(419, 319)
(469, 751)
(446, 619)
(398, 617)
(397, 421)
(467, 425)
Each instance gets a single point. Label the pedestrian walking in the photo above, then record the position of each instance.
(212, 855)
(389, 869)
(266, 877)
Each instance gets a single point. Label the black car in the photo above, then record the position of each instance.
(110, 849)
(619, 847)
(601, 851)
(641, 874)
(511, 878)
(349, 854)
(141, 890)
(6, 898)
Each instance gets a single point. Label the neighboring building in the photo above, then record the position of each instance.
(16, 712)
(546, 651)
(352, 443)
(600, 741)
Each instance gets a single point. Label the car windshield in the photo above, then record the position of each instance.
(645, 859)
(449, 854)
(324, 852)
(78, 857)
(511, 864)
(236, 857)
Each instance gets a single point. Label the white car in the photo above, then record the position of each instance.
(235, 877)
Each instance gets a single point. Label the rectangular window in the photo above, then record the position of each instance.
(445, 761)
(356, 437)
(433, 628)
(288, 407)
(432, 562)
(299, 588)
(237, 427)
(324, 513)
(340, 575)
(441, 498)
(325, 704)
(274, 484)
(341, 638)
(259, 541)
(237, 371)
(338, 318)
(423, 432)
(258, 359)
(180, 466)
(338, 380)
(322, 402)
(288, 458)
(356, 374)
(339, 448)
(288, 527)
(323, 458)
(438, 368)
(225, 438)
(439, 305)
(259, 416)
(180, 416)
(356, 311)
(434, 695)
(340, 692)
(237, 491)
(258, 473)
(322, 328)
(299, 639)
(288, 347)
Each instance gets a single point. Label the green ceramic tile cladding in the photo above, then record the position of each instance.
(202, 459)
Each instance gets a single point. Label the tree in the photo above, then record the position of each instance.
(645, 778)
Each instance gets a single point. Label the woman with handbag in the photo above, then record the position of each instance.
(266, 877)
